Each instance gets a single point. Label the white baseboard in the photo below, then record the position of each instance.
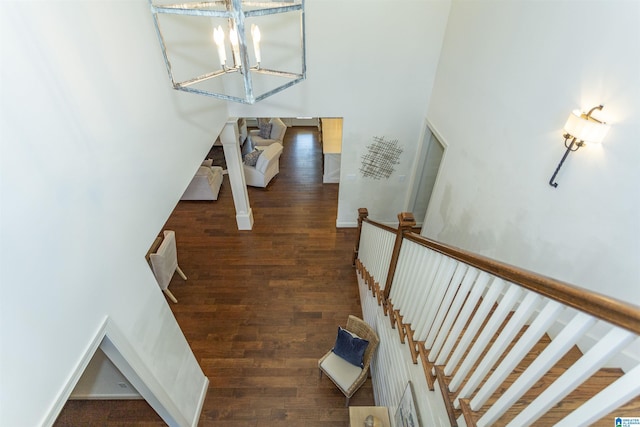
(245, 220)
(346, 224)
(106, 396)
(203, 396)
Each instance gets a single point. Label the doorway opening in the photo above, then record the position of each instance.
(428, 160)
(110, 373)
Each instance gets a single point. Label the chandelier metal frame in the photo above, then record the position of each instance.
(235, 11)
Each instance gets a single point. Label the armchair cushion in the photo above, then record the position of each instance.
(252, 158)
(265, 130)
(350, 347)
(343, 373)
(278, 129)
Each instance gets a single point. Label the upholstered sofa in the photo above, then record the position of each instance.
(206, 183)
(278, 129)
(266, 167)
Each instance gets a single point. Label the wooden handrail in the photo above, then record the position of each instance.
(380, 225)
(614, 311)
(611, 310)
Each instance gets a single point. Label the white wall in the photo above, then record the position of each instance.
(372, 63)
(101, 379)
(96, 151)
(509, 74)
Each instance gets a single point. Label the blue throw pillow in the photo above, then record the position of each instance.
(350, 348)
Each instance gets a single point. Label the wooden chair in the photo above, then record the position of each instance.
(347, 377)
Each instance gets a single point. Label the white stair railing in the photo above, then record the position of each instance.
(471, 321)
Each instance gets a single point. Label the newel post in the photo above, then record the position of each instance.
(405, 223)
(363, 213)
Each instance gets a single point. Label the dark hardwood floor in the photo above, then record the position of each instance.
(259, 307)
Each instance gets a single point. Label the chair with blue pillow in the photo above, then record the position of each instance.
(347, 363)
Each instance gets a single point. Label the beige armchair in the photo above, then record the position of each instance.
(278, 129)
(345, 375)
(164, 263)
(205, 185)
(267, 166)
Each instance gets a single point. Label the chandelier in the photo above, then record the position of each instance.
(240, 51)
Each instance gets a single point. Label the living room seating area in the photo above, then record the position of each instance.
(268, 133)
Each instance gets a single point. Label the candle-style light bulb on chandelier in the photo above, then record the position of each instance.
(225, 22)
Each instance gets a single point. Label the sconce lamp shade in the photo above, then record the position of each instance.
(585, 128)
(580, 128)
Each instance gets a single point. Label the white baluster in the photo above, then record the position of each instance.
(505, 306)
(461, 295)
(520, 349)
(434, 299)
(423, 282)
(452, 288)
(511, 329)
(608, 400)
(409, 260)
(550, 355)
(584, 367)
(417, 281)
(467, 310)
(385, 260)
(480, 315)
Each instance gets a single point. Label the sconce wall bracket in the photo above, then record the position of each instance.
(580, 128)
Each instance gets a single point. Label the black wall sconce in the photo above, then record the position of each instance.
(581, 128)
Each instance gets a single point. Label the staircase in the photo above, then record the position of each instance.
(487, 344)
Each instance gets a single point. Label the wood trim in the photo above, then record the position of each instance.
(444, 389)
(373, 287)
(392, 315)
(398, 316)
(427, 366)
(614, 311)
(154, 247)
(380, 225)
(412, 344)
(467, 412)
(378, 294)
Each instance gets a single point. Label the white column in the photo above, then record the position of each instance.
(231, 146)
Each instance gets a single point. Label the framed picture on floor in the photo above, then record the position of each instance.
(407, 412)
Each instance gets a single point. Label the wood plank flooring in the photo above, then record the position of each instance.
(259, 307)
